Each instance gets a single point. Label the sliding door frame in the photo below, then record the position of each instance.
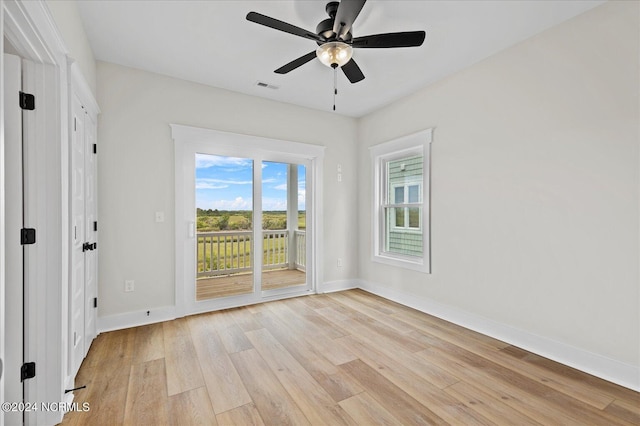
(191, 140)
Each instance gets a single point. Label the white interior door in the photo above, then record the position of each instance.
(91, 233)
(78, 238)
(84, 231)
(14, 258)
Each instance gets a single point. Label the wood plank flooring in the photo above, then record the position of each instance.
(232, 285)
(344, 358)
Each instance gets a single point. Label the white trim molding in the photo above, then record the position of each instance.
(338, 285)
(623, 374)
(135, 319)
(191, 140)
(418, 143)
(30, 28)
(2, 219)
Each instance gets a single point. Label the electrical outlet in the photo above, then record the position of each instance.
(129, 285)
(339, 262)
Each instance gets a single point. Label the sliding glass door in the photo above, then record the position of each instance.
(245, 220)
(224, 226)
(248, 227)
(284, 251)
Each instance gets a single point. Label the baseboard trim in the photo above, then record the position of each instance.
(623, 374)
(135, 319)
(338, 285)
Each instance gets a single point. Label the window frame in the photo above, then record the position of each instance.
(414, 144)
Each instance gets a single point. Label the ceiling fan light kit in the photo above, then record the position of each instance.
(335, 39)
(334, 54)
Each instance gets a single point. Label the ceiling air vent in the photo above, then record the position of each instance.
(266, 85)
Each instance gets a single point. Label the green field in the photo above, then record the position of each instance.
(223, 220)
(236, 249)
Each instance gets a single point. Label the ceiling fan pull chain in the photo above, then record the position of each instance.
(335, 86)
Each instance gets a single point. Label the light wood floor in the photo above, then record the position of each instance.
(342, 358)
(209, 288)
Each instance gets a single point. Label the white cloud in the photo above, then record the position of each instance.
(238, 204)
(204, 161)
(274, 204)
(211, 181)
(209, 185)
(281, 187)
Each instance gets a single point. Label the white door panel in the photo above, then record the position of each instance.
(83, 289)
(78, 238)
(91, 256)
(14, 259)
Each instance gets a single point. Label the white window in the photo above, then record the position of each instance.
(401, 202)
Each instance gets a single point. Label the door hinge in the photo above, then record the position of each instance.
(95, 148)
(27, 371)
(89, 246)
(27, 101)
(95, 302)
(27, 236)
(95, 226)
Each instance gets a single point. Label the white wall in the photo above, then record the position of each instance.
(535, 191)
(68, 20)
(136, 176)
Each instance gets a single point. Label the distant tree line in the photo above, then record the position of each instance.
(227, 220)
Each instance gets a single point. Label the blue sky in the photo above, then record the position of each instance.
(226, 183)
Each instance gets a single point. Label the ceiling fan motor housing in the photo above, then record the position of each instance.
(332, 8)
(325, 28)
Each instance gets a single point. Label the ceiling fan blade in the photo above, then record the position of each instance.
(296, 63)
(276, 24)
(352, 71)
(348, 11)
(404, 39)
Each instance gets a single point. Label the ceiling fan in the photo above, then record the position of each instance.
(335, 40)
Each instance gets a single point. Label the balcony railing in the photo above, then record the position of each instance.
(229, 252)
(301, 249)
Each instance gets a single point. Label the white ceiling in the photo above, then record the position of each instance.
(211, 42)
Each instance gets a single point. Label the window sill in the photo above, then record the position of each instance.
(405, 262)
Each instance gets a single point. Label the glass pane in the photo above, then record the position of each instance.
(224, 215)
(414, 193)
(402, 225)
(399, 195)
(283, 243)
(401, 241)
(414, 217)
(300, 240)
(399, 218)
(302, 198)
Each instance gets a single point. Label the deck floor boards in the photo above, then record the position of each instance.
(233, 285)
